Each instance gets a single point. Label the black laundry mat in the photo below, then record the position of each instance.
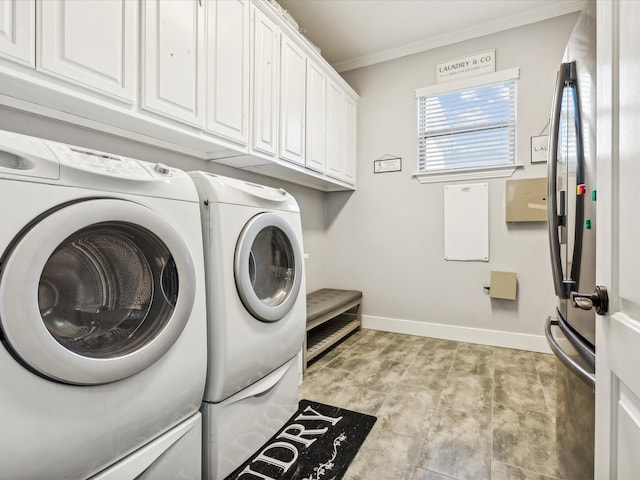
(317, 443)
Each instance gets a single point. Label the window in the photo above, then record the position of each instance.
(468, 124)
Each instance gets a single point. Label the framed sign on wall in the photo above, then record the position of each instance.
(539, 148)
(386, 164)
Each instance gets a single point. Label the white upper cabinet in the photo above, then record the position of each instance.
(264, 85)
(228, 69)
(293, 67)
(90, 43)
(230, 81)
(17, 31)
(173, 59)
(316, 126)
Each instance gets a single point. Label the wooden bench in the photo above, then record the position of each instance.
(331, 315)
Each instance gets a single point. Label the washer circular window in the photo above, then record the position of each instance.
(268, 267)
(107, 290)
(96, 291)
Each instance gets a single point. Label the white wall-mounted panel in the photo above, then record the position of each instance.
(466, 222)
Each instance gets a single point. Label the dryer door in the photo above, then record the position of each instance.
(95, 291)
(268, 267)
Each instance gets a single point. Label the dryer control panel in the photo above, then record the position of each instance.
(47, 161)
(109, 164)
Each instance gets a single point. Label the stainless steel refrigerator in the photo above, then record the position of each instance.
(571, 202)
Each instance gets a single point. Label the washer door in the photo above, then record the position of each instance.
(268, 267)
(96, 291)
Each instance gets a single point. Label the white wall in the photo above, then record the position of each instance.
(311, 202)
(386, 238)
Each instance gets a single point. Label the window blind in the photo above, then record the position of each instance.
(468, 126)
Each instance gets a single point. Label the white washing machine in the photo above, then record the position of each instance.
(102, 315)
(256, 303)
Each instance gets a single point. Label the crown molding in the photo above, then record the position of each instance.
(554, 10)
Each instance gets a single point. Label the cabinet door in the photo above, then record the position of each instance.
(335, 130)
(228, 69)
(341, 134)
(17, 31)
(292, 101)
(350, 146)
(173, 59)
(316, 126)
(90, 43)
(265, 54)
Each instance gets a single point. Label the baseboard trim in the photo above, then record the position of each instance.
(495, 338)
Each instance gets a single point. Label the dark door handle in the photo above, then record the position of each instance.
(586, 301)
(584, 375)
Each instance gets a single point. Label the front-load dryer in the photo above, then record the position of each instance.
(102, 315)
(255, 281)
(257, 315)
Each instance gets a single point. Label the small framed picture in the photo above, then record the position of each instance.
(539, 148)
(385, 165)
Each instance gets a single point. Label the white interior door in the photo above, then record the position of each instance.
(618, 263)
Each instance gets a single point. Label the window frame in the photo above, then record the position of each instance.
(470, 172)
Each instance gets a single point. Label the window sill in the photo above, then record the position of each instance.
(475, 173)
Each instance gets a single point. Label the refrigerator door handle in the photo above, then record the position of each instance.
(572, 82)
(570, 363)
(580, 178)
(554, 220)
(587, 353)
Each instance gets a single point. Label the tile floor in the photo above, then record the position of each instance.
(446, 410)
